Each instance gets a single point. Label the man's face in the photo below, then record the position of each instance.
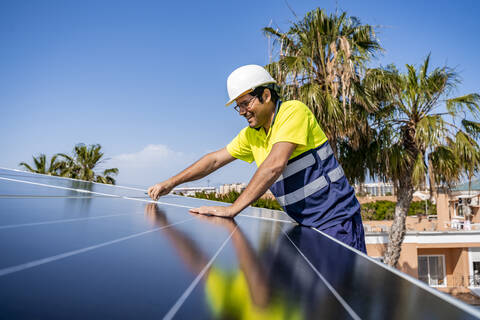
(254, 111)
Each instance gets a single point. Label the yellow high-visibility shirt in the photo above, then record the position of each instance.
(294, 123)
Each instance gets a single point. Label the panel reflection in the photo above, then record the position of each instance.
(273, 281)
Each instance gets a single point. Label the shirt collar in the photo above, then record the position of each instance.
(279, 102)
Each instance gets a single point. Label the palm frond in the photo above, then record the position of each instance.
(472, 128)
(470, 102)
(27, 166)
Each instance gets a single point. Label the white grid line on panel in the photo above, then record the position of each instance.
(329, 286)
(72, 179)
(127, 198)
(171, 313)
(12, 226)
(35, 263)
(459, 304)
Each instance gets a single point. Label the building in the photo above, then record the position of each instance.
(441, 250)
(239, 187)
(375, 189)
(226, 188)
(190, 191)
(448, 261)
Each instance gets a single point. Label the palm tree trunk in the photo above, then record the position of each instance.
(431, 180)
(333, 145)
(397, 232)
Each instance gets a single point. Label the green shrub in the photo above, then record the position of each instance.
(385, 210)
(233, 195)
(378, 210)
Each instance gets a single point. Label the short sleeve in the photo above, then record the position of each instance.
(240, 148)
(292, 125)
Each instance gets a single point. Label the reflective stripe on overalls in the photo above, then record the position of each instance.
(314, 191)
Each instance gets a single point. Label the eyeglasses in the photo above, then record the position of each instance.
(244, 105)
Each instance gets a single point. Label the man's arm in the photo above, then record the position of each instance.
(264, 177)
(203, 167)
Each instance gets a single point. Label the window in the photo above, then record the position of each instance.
(431, 270)
(476, 274)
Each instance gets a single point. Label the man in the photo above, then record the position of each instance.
(293, 156)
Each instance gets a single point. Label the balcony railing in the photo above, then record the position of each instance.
(464, 281)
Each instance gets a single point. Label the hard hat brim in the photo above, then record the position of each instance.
(240, 95)
(248, 91)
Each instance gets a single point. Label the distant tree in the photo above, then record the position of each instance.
(82, 163)
(409, 130)
(107, 176)
(385, 210)
(41, 165)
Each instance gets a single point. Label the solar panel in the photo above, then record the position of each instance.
(70, 184)
(85, 250)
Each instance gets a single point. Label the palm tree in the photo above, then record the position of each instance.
(41, 165)
(410, 130)
(321, 60)
(67, 166)
(81, 165)
(83, 162)
(107, 176)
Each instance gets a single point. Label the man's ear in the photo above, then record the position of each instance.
(267, 95)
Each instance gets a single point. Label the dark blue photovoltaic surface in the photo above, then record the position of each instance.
(73, 184)
(76, 255)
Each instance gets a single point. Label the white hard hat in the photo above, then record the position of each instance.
(245, 79)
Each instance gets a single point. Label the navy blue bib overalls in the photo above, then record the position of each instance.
(314, 191)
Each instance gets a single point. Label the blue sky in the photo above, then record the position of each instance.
(146, 79)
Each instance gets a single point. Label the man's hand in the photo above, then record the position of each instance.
(155, 215)
(227, 212)
(160, 189)
(227, 223)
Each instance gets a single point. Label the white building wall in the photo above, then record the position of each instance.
(375, 189)
(428, 237)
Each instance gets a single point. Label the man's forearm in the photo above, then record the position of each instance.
(263, 178)
(252, 269)
(206, 165)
